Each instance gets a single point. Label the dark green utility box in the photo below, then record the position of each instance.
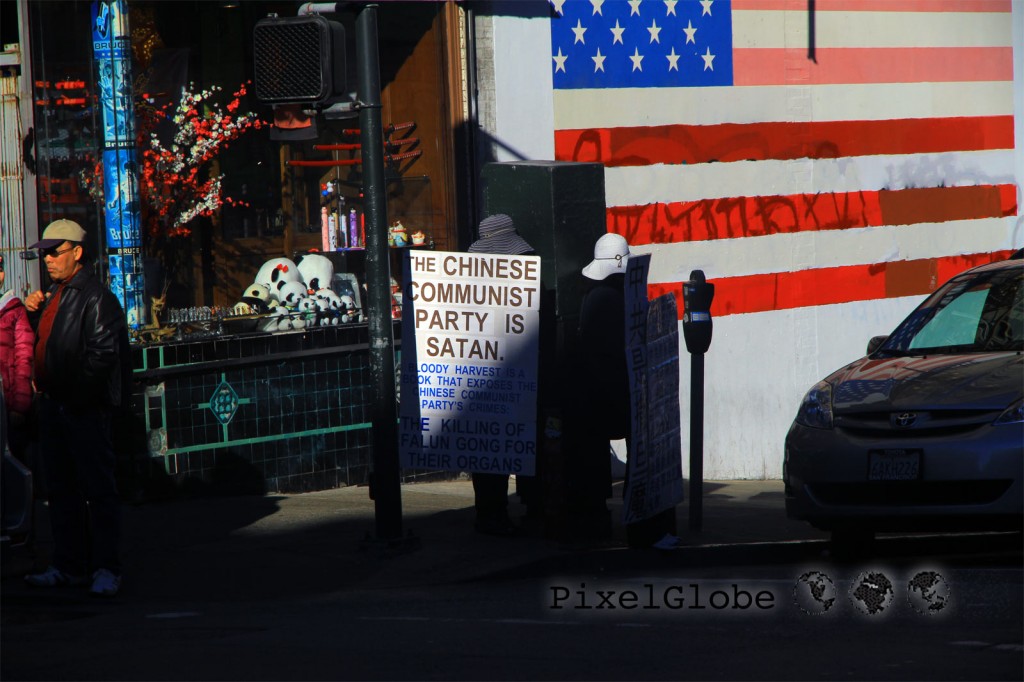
(557, 206)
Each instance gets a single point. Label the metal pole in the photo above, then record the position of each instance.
(696, 440)
(387, 493)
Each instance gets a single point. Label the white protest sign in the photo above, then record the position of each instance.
(470, 329)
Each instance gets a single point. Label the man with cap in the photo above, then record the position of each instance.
(82, 364)
(497, 235)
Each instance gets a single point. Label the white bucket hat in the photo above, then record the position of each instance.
(611, 253)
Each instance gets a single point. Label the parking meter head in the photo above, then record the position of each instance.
(697, 324)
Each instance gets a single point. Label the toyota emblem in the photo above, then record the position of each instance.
(904, 419)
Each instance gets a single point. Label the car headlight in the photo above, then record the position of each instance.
(1014, 413)
(816, 408)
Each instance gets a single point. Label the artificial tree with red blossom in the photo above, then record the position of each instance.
(176, 182)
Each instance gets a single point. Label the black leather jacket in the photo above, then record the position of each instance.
(88, 361)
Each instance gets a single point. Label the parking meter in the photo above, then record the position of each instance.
(697, 296)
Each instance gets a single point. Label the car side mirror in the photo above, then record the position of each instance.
(875, 343)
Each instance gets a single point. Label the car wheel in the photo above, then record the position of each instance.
(851, 542)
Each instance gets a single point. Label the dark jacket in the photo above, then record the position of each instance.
(602, 350)
(87, 354)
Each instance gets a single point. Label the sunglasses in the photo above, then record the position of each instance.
(53, 251)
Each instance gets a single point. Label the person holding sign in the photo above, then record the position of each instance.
(607, 391)
(600, 409)
(497, 235)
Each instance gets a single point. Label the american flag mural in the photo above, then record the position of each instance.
(827, 163)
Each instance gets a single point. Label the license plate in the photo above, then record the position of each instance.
(894, 465)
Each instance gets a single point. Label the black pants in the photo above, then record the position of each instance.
(85, 510)
(491, 493)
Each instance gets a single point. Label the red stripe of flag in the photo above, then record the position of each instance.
(690, 144)
(828, 286)
(878, 5)
(665, 223)
(774, 66)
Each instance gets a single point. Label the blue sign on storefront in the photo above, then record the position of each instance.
(111, 40)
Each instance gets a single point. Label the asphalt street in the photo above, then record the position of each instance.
(297, 587)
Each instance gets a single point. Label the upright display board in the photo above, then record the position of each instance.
(470, 330)
(652, 353)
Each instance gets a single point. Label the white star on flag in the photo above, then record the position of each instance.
(636, 58)
(673, 60)
(654, 31)
(617, 32)
(708, 58)
(690, 32)
(560, 61)
(579, 30)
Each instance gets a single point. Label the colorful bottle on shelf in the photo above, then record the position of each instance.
(343, 240)
(353, 226)
(325, 230)
(333, 230)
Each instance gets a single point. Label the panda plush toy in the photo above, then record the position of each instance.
(255, 300)
(290, 294)
(329, 304)
(348, 309)
(278, 320)
(316, 271)
(308, 310)
(275, 273)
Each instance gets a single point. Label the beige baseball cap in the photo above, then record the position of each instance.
(58, 232)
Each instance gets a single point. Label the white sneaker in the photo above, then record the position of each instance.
(105, 583)
(54, 577)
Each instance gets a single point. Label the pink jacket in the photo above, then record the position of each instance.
(17, 341)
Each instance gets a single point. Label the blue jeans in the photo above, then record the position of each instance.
(85, 509)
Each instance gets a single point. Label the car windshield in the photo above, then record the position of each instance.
(973, 313)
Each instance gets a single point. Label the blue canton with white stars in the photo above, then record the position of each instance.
(641, 43)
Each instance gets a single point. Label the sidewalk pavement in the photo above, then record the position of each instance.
(227, 548)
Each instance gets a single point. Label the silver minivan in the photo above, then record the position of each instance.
(926, 432)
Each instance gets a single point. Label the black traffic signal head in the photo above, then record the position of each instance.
(298, 59)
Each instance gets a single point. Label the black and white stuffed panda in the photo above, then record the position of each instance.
(275, 273)
(316, 271)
